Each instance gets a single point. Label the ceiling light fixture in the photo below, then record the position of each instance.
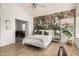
(34, 5)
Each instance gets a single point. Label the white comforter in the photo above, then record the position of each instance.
(38, 40)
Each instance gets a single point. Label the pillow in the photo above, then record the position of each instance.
(46, 33)
(37, 32)
(40, 32)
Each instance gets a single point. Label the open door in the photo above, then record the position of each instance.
(21, 30)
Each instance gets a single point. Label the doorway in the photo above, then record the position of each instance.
(21, 30)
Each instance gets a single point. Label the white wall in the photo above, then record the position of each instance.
(77, 26)
(77, 9)
(0, 22)
(12, 12)
(0, 29)
(19, 24)
(77, 32)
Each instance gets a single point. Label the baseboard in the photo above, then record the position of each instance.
(7, 43)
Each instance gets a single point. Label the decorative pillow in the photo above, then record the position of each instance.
(46, 33)
(37, 32)
(40, 32)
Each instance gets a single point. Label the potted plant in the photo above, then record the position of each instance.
(67, 32)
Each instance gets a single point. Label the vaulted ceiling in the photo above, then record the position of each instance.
(47, 8)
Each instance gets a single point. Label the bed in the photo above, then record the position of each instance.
(41, 41)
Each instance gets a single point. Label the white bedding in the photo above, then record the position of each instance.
(41, 41)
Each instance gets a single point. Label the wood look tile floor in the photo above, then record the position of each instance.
(18, 49)
(71, 50)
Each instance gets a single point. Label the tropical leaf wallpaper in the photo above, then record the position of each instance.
(46, 21)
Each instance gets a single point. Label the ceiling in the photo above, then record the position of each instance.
(48, 9)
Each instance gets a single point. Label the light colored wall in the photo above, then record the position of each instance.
(12, 12)
(19, 24)
(77, 32)
(0, 22)
(77, 9)
(77, 42)
(77, 26)
(0, 29)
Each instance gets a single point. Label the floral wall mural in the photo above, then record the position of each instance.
(46, 21)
